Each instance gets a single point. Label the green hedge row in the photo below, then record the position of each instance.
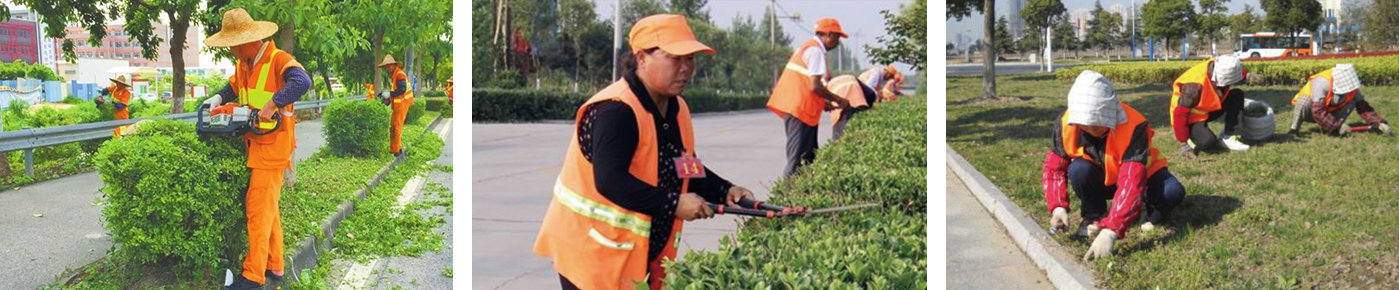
(504, 105)
(882, 158)
(356, 128)
(1378, 71)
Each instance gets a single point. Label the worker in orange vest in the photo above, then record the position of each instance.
(402, 98)
(630, 178)
(369, 92)
(1203, 94)
(1103, 147)
(1329, 97)
(879, 79)
(891, 90)
(451, 94)
(860, 96)
(801, 94)
(121, 97)
(271, 81)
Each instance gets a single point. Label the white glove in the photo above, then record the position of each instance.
(1148, 226)
(1343, 131)
(1102, 246)
(1059, 220)
(1384, 129)
(214, 101)
(384, 95)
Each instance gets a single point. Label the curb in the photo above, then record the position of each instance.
(305, 256)
(1056, 262)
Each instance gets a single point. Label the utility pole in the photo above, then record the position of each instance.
(1134, 29)
(617, 41)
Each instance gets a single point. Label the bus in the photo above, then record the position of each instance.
(1269, 44)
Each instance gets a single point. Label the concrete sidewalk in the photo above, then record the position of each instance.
(515, 166)
(980, 255)
(71, 233)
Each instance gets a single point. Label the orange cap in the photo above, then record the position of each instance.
(890, 69)
(669, 32)
(830, 25)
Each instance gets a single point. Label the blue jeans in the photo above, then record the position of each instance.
(1163, 191)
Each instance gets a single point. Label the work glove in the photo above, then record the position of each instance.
(119, 105)
(1186, 151)
(214, 101)
(384, 95)
(1059, 220)
(1384, 129)
(1102, 246)
(1344, 130)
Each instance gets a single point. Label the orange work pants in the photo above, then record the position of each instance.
(264, 225)
(400, 112)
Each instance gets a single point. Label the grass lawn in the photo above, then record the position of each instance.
(1312, 211)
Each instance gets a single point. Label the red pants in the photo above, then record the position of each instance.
(264, 225)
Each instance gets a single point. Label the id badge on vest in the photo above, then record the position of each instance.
(689, 167)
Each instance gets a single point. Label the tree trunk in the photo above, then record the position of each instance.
(179, 26)
(988, 64)
(287, 36)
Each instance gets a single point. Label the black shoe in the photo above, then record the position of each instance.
(240, 283)
(272, 276)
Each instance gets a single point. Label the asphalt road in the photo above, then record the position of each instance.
(515, 166)
(70, 234)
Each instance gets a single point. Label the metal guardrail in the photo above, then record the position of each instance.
(30, 139)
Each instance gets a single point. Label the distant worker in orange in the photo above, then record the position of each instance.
(401, 97)
(121, 97)
(801, 94)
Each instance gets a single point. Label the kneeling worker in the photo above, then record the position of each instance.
(1202, 94)
(1329, 97)
(1103, 147)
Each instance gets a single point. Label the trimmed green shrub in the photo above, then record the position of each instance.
(881, 159)
(191, 214)
(1372, 70)
(434, 94)
(498, 105)
(446, 110)
(434, 104)
(415, 112)
(356, 128)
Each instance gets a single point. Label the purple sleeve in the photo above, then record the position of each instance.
(227, 94)
(297, 83)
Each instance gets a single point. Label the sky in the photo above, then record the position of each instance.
(855, 17)
(973, 22)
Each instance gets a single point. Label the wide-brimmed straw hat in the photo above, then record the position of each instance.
(121, 80)
(388, 60)
(239, 28)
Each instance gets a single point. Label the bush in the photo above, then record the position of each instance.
(499, 105)
(434, 94)
(446, 111)
(1377, 71)
(356, 128)
(415, 112)
(434, 104)
(190, 214)
(881, 159)
(140, 108)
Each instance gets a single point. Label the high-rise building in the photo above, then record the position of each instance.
(1017, 25)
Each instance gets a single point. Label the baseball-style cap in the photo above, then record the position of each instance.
(669, 32)
(830, 25)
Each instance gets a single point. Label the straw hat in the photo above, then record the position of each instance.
(1092, 101)
(121, 80)
(239, 28)
(388, 60)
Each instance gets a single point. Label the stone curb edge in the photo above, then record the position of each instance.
(1056, 262)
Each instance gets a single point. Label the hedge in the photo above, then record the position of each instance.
(1378, 71)
(882, 159)
(505, 105)
(433, 103)
(415, 112)
(190, 214)
(356, 128)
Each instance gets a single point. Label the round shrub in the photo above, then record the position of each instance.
(415, 112)
(357, 128)
(191, 214)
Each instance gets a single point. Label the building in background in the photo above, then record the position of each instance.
(119, 46)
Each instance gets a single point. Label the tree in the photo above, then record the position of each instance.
(1065, 37)
(578, 18)
(766, 31)
(1168, 19)
(1291, 16)
(1103, 29)
(1382, 25)
(1003, 41)
(311, 30)
(692, 9)
(1352, 17)
(907, 39)
(1041, 15)
(1212, 20)
(963, 8)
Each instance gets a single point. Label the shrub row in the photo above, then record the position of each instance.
(1373, 70)
(356, 128)
(882, 159)
(504, 105)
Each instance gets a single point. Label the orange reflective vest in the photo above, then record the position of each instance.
(1210, 99)
(407, 96)
(123, 96)
(369, 92)
(1306, 92)
(1118, 139)
(794, 94)
(847, 88)
(594, 242)
(255, 83)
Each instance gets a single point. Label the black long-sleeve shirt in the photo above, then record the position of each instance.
(608, 138)
(401, 87)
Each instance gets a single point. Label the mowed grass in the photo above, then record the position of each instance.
(1312, 211)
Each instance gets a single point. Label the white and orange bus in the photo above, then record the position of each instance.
(1269, 44)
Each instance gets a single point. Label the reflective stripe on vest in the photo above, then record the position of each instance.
(1209, 100)
(798, 69)
(258, 96)
(1117, 143)
(600, 212)
(1306, 92)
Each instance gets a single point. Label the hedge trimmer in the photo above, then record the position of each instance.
(232, 119)
(750, 207)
